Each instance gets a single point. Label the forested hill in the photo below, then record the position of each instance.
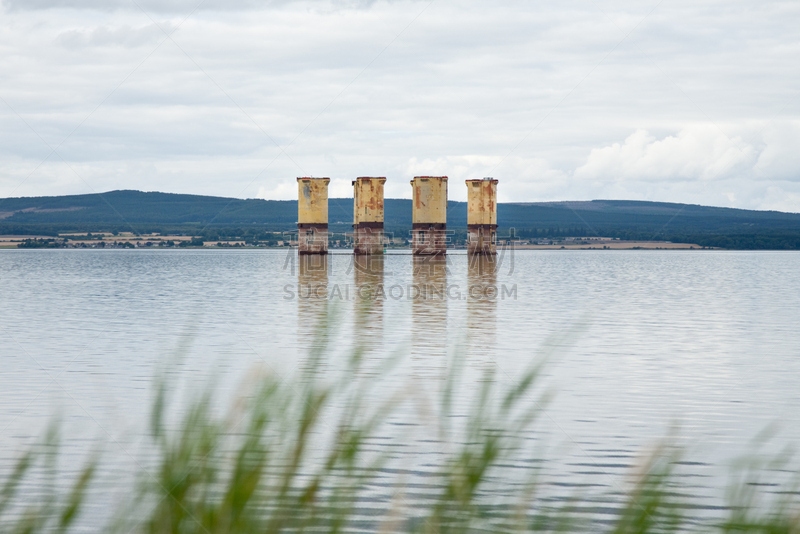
(137, 207)
(125, 210)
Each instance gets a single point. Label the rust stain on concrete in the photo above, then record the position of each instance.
(368, 215)
(482, 216)
(430, 199)
(368, 199)
(312, 215)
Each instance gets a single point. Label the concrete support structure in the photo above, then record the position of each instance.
(312, 215)
(368, 215)
(429, 215)
(482, 216)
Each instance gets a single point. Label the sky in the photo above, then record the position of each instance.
(672, 100)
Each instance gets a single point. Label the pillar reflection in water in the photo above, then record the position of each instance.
(369, 296)
(428, 295)
(482, 296)
(312, 304)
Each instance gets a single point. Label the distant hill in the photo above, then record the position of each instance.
(138, 210)
(641, 214)
(137, 207)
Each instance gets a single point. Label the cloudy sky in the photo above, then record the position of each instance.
(671, 100)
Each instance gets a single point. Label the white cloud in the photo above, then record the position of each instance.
(780, 158)
(701, 152)
(701, 164)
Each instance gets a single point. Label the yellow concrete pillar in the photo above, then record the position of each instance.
(312, 215)
(429, 215)
(368, 215)
(482, 216)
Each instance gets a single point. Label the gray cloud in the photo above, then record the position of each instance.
(175, 6)
(698, 104)
(102, 36)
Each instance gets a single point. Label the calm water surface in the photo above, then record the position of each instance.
(705, 344)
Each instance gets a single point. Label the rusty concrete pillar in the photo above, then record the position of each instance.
(429, 219)
(312, 215)
(482, 216)
(368, 215)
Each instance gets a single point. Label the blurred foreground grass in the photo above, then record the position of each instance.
(294, 456)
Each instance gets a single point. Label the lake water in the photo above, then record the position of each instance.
(638, 345)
